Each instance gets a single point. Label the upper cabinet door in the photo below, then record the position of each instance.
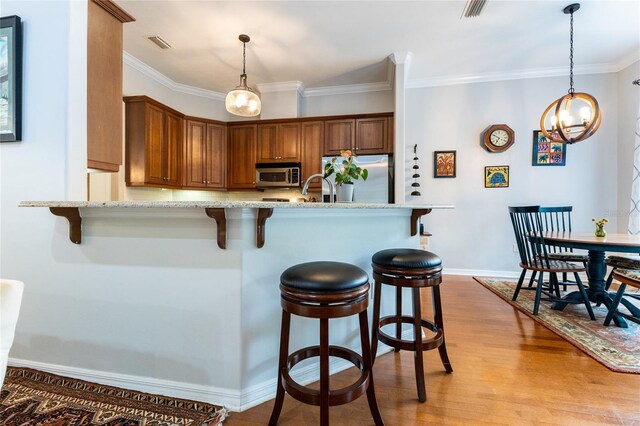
(288, 142)
(242, 156)
(173, 150)
(216, 150)
(267, 143)
(372, 136)
(195, 154)
(155, 169)
(338, 135)
(312, 146)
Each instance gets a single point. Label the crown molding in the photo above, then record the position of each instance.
(283, 86)
(380, 86)
(157, 76)
(510, 75)
(631, 58)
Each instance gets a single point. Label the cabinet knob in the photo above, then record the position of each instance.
(204, 181)
(357, 149)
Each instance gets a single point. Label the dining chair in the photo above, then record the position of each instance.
(534, 256)
(626, 277)
(558, 219)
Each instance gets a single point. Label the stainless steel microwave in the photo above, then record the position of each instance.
(277, 175)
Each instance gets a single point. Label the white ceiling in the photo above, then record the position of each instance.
(332, 43)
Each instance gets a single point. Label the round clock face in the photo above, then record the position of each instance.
(499, 138)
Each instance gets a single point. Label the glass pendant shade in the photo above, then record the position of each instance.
(243, 101)
(571, 118)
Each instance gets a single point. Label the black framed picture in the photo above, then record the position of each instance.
(444, 164)
(546, 152)
(10, 79)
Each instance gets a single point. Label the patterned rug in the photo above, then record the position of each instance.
(616, 348)
(33, 398)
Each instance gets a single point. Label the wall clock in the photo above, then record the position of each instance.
(498, 138)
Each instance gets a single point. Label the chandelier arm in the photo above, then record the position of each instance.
(559, 127)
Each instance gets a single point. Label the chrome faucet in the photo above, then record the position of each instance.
(332, 189)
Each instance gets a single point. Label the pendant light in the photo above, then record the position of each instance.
(575, 116)
(243, 100)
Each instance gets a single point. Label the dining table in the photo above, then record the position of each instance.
(596, 267)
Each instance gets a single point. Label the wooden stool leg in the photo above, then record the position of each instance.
(417, 335)
(376, 321)
(324, 372)
(437, 309)
(398, 314)
(282, 364)
(368, 365)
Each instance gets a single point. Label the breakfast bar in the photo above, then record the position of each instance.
(220, 290)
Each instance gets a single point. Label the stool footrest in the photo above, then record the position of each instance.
(409, 345)
(336, 397)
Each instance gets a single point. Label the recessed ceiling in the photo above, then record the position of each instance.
(347, 42)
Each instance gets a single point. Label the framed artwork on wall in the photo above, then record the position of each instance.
(496, 177)
(444, 164)
(547, 153)
(10, 79)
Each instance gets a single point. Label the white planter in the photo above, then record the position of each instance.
(344, 193)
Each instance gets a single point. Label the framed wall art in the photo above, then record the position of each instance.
(444, 164)
(10, 79)
(496, 177)
(547, 153)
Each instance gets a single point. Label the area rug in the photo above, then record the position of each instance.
(616, 348)
(29, 398)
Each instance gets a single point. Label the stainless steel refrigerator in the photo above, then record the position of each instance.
(378, 188)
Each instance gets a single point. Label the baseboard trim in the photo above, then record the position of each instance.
(481, 273)
(231, 399)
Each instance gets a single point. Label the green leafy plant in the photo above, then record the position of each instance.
(346, 172)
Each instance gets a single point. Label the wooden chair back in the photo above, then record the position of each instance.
(528, 229)
(556, 219)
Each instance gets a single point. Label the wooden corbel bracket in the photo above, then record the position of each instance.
(221, 220)
(263, 215)
(415, 215)
(72, 214)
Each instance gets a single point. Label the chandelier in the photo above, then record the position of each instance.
(575, 116)
(243, 100)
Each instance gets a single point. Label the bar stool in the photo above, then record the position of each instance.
(324, 290)
(414, 269)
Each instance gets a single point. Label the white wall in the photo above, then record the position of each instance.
(477, 235)
(628, 110)
(352, 103)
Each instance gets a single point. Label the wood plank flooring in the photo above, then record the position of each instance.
(508, 370)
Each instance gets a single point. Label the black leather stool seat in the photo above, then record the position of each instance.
(324, 276)
(406, 258)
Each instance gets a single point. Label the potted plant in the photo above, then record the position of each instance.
(346, 172)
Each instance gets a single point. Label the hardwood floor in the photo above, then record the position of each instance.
(508, 369)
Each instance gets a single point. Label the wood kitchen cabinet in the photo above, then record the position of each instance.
(104, 84)
(242, 148)
(205, 154)
(312, 146)
(278, 143)
(363, 136)
(153, 145)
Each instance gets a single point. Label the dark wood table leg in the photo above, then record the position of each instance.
(597, 270)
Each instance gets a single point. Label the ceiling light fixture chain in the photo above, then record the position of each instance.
(571, 89)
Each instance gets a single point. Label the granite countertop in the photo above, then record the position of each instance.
(227, 205)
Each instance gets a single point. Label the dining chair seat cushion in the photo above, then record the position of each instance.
(556, 266)
(568, 256)
(623, 262)
(406, 258)
(324, 277)
(628, 276)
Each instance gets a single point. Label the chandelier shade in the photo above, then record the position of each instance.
(575, 116)
(243, 101)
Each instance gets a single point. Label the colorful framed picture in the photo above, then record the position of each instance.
(547, 153)
(496, 177)
(444, 164)
(10, 79)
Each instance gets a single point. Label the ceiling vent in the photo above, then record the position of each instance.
(473, 8)
(159, 41)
